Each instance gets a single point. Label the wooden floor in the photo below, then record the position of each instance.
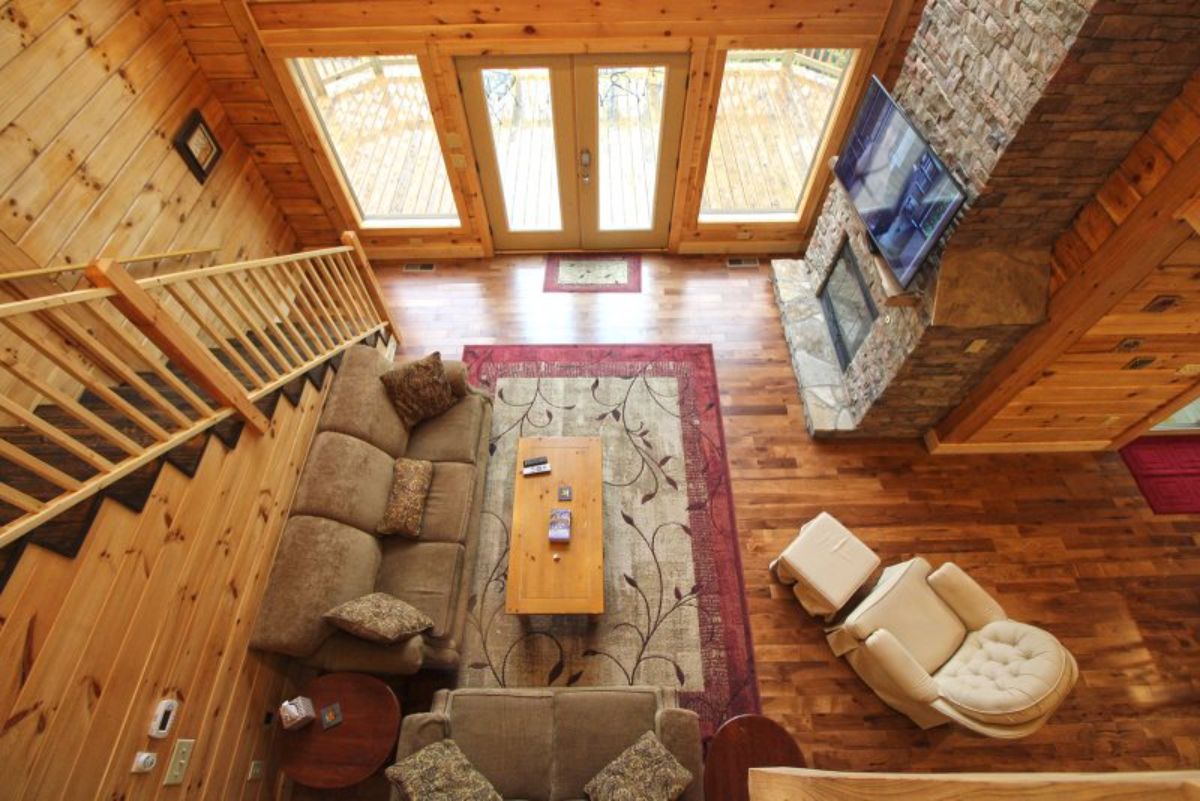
(1064, 541)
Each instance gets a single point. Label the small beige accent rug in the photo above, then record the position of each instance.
(593, 273)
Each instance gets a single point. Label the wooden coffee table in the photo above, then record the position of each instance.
(354, 749)
(550, 578)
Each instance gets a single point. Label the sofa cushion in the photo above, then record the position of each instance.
(1007, 673)
(419, 389)
(645, 771)
(406, 499)
(449, 502)
(379, 617)
(345, 479)
(425, 574)
(440, 772)
(591, 729)
(518, 766)
(358, 404)
(905, 604)
(319, 564)
(452, 436)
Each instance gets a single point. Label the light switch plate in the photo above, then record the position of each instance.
(181, 754)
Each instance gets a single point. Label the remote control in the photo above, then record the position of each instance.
(537, 469)
(535, 461)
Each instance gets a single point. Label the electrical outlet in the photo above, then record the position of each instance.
(256, 771)
(181, 754)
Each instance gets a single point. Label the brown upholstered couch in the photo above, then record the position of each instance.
(328, 553)
(546, 744)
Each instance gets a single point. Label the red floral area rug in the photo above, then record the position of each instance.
(675, 611)
(594, 272)
(1167, 470)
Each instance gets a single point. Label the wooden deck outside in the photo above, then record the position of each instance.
(768, 127)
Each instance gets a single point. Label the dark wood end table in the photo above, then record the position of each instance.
(742, 743)
(354, 749)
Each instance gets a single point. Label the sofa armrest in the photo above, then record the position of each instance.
(963, 594)
(679, 730)
(420, 730)
(456, 374)
(894, 659)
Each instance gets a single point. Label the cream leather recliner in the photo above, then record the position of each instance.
(934, 645)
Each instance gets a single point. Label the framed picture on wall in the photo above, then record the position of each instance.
(198, 146)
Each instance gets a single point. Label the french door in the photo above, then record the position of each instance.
(576, 152)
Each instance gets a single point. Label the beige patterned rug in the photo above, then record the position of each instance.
(594, 272)
(674, 615)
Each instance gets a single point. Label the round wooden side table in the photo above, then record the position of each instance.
(353, 750)
(742, 743)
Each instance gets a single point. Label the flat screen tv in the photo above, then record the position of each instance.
(904, 194)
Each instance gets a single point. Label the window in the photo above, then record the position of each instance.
(772, 114)
(375, 115)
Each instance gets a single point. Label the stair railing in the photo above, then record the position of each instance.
(99, 381)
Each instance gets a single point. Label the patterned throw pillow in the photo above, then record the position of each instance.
(440, 772)
(420, 389)
(379, 617)
(645, 771)
(406, 501)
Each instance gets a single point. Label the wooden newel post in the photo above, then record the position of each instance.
(180, 346)
(350, 239)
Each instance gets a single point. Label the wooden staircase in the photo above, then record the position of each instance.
(108, 384)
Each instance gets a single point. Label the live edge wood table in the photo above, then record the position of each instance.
(557, 578)
(742, 743)
(354, 749)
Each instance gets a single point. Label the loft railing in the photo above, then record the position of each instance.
(99, 381)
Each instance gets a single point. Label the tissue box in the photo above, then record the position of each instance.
(297, 712)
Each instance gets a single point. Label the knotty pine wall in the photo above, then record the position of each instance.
(242, 46)
(91, 94)
(158, 604)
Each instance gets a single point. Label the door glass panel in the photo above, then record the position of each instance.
(521, 115)
(771, 117)
(375, 115)
(629, 127)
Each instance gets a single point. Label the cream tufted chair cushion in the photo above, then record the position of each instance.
(1007, 672)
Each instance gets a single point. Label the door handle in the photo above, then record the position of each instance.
(585, 164)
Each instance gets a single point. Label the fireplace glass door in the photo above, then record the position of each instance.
(849, 311)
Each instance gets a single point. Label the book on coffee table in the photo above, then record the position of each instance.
(560, 525)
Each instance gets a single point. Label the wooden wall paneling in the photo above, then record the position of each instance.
(690, 170)
(231, 681)
(1102, 263)
(60, 128)
(451, 113)
(409, 13)
(109, 667)
(103, 595)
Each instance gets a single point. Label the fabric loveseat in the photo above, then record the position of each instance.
(546, 744)
(329, 554)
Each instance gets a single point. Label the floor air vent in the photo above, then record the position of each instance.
(741, 262)
(418, 267)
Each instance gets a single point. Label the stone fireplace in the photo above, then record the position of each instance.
(1030, 105)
